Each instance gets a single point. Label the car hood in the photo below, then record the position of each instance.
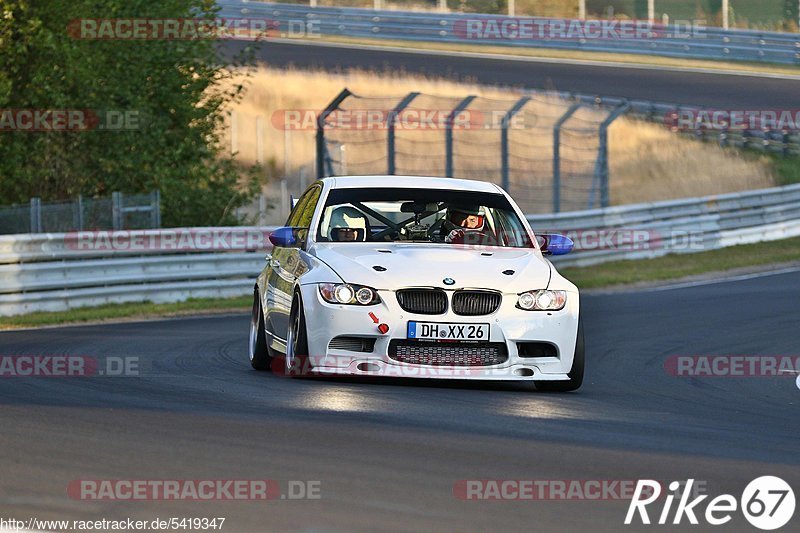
(427, 265)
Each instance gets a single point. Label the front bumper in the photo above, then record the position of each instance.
(508, 325)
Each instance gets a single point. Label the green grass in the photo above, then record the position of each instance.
(678, 266)
(665, 268)
(128, 310)
(787, 169)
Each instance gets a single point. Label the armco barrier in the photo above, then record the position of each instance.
(678, 226)
(59, 271)
(53, 272)
(704, 43)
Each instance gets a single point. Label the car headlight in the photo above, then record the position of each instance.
(347, 293)
(542, 300)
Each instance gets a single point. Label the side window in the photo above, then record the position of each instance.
(307, 211)
(294, 216)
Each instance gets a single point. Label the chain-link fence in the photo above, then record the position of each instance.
(549, 153)
(550, 150)
(121, 211)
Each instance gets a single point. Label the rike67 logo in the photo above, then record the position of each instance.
(767, 503)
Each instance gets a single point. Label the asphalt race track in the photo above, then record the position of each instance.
(663, 85)
(388, 452)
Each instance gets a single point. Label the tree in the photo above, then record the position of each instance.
(171, 87)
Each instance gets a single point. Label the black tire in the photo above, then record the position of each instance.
(259, 356)
(576, 372)
(296, 358)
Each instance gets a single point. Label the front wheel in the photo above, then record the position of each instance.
(259, 355)
(296, 339)
(575, 374)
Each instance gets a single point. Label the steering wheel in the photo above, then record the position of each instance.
(475, 237)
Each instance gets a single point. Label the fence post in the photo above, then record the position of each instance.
(79, 213)
(155, 209)
(116, 210)
(36, 215)
(505, 180)
(390, 150)
(601, 165)
(321, 130)
(557, 154)
(462, 105)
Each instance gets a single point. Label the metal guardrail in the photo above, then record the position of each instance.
(678, 226)
(48, 272)
(60, 271)
(707, 43)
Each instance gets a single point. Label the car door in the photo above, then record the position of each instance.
(286, 265)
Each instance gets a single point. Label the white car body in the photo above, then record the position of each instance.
(416, 265)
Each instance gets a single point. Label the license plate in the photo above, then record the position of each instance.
(448, 331)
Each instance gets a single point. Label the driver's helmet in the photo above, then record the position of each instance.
(348, 224)
(466, 216)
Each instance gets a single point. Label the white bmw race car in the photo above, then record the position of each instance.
(415, 277)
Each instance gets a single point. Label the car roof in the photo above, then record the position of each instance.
(411, 182)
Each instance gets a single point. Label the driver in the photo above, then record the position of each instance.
(348, 224)
(461, 218)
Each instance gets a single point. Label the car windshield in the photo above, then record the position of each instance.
(421, 215)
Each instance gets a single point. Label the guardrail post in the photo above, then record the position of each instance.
(155, 208)
(116, 210)
(321, 130)
(557, 154)
(601, 165)
(504, 170)
(448, 134)
(36, 215)
(390, 138)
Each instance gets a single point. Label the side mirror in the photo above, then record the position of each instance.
(286, 237)
(555, 244)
